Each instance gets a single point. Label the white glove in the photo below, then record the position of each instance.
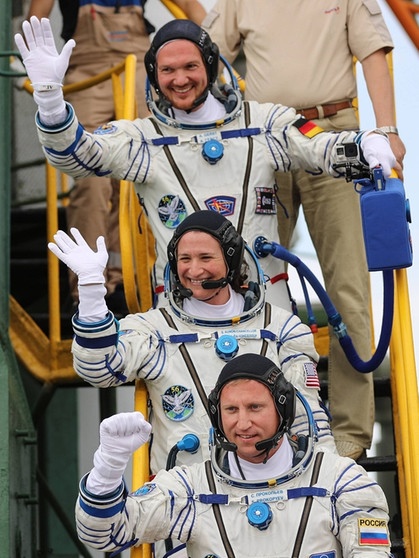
(45, 67)
(88, 265)
(377, 151)
(120, 436)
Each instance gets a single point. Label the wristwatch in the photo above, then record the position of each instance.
(389, 130)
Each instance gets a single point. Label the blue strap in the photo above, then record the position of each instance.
(184, 338)
(171, 140)
(242, 133)
(305, 492)
(226, 134)
(194, 337)
(97, 342)
(266, 334)
(213, 498)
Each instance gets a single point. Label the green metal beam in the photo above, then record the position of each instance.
(5, 158)
(5, 350)
(17, 434)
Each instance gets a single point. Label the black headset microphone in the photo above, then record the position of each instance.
(217, 284)
(183, 292)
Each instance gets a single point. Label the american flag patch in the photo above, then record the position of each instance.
(373, 532)
(312, 379)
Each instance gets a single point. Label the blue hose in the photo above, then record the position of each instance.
(263, 248)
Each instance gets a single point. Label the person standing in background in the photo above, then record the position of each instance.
(301, 54)
(105, 33)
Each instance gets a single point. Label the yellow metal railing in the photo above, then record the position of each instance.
(405, 401)
(140, 462)
(137, 257)
(405, 414)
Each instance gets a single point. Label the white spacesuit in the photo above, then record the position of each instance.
(320, 506)
(221, 154)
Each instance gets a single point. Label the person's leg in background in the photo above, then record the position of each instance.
(331, 210)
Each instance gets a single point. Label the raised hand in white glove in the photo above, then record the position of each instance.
(120, 436)
(45, 67)
(377, 151)
(87, 264)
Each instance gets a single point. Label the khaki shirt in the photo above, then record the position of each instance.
(299, 53)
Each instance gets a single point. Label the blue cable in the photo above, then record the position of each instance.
(263, 248)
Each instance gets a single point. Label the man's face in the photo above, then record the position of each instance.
(181, 73)
(248, 416)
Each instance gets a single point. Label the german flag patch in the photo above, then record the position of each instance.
(307, 127)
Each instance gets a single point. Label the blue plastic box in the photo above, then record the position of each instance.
(385, 221)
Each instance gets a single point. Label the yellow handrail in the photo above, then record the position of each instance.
(86, 83)
(136, 273)
(406, 413)
(140, 462)
(405, 399)
(174, 9)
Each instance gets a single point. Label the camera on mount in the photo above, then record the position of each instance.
(348, 152)
(348, 158)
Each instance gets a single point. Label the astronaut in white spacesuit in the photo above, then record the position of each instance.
(216, 310)
(203, 147)
(261, 494)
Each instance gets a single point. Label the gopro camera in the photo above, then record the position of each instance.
(348, 158)
(347, 153)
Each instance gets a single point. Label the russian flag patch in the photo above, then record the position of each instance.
(373, 532)
(307, 127)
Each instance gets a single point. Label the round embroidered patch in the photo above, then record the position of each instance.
(172, 211)
(178, 403)
(146, 489)
(105, 129)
